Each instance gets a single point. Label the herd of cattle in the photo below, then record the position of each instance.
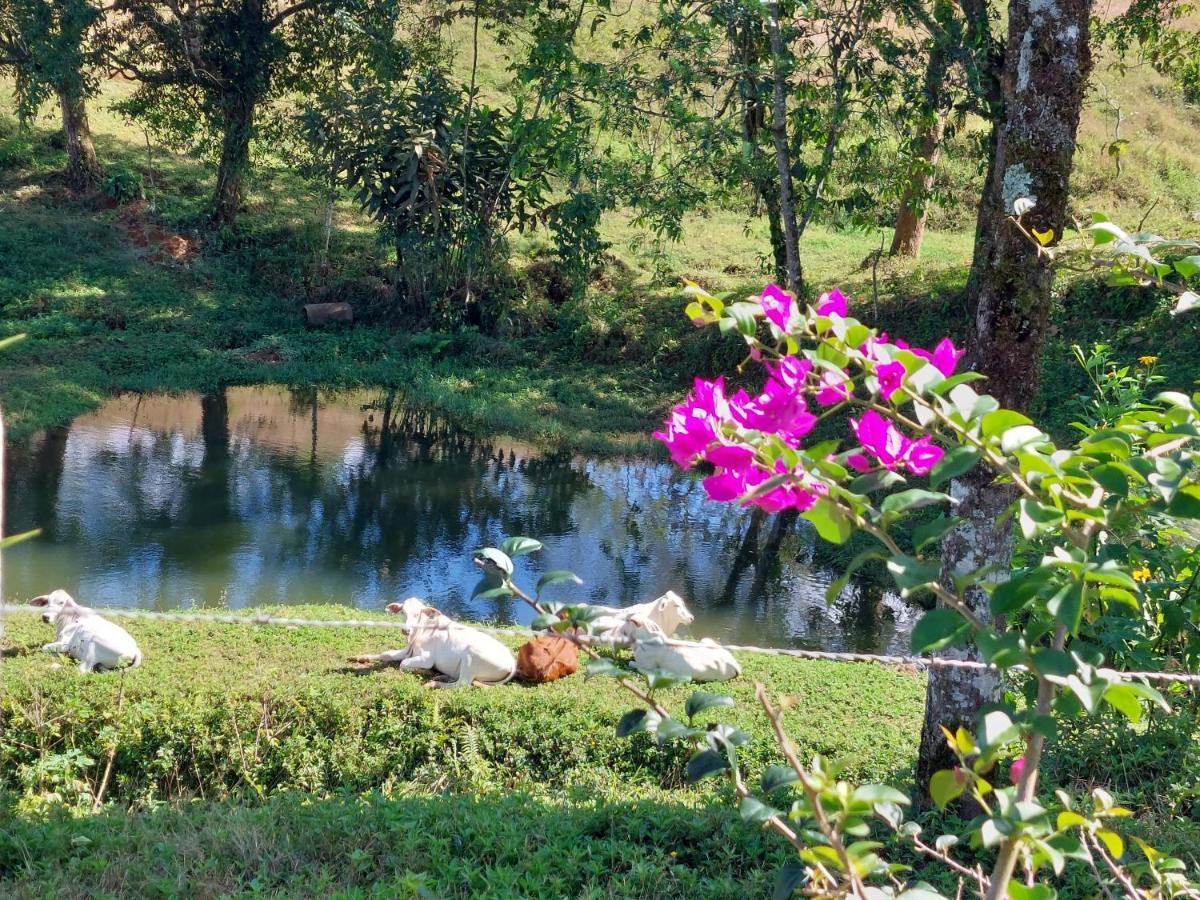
(456, 654)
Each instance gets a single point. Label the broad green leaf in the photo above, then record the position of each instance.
(755, 811)
(831, 523)
(557, 576)
(839, 584)
(1067, 607)
(938, 628)
(957, 461)
(910, 574)
(519, 546)
(880, 793)
(1186, 503)
(1188, 266)
(946, 786)
(705, 763)
(914, 498)
(637, 720)
(930, 532)
(497, 558)
(701, 701)
(1069, 819)
(790, 877)
(1113, 842)
(996, 423)
(1019, 891)
(491, 593)
(1125, 701)
(776, 777)
(662, 678)
(672, 730)
(1021, 436)
(1035, 518)
(603, 668)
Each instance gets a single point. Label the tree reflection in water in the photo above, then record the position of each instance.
(254, 496)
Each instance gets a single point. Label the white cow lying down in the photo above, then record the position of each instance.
(438, 643)
(704, 660)
(83, 635)
(668, 612)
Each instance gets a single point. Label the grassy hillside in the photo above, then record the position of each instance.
(138, 298)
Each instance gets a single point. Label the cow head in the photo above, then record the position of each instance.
(671, 612)
(56, 604)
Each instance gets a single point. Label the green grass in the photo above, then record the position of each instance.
(251, 759)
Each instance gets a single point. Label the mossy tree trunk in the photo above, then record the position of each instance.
(239, 110)
(1047, 62)
(83, 168)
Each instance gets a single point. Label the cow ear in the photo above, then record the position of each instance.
(40, 601)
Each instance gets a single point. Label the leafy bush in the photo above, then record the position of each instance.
(124, 185)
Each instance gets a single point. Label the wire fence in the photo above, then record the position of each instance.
(265, 620)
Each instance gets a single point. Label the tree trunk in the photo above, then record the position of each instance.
(1047, 62)
(83, 169)
(787, 209)
(235, 159)
(910, 224)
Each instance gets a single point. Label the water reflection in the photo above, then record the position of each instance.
(264, 495)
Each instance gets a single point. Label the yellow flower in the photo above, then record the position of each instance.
(1147, 360)
(1141, 574)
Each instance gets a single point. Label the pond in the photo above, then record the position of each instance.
(258, 496)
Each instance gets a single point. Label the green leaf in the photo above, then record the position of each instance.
(1188, 266)
(1125, 701)
(880, 793)
(1186, 503)
(497, 558)
(705, 763)
(502, 591)
(1035, 518)
(874, 481)
(914, 498)
(544, 620)
(519, 546)
(938, 628)
(839, 584)
(1113, 842)
(831, 522)
(1022, 436)
(557, 576)
(701, 701)
(636, 720)
(1067, 607)
(776, 777)
(662, 678)
(672, 730)
(998, 729)
(13, 539)
(946, 786)
(603, 668)
(957, 461)
(910, 574)
(1011, 595)
(1000, 421)
(928, 533)
(790, 877)
(755, 811)
(1019, 891)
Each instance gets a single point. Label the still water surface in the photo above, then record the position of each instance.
(263, 495)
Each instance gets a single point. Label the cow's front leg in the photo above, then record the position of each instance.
(55, 647)
(388, 656)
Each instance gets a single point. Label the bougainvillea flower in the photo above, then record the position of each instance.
(790, 371)
(779, 409)
(832, 304)
(891, 378)
(1017, 769)
(834, 389)
(922, 456)
(730, 456)
(944, 357)
(730, 484)
(777, 306)
(881, 439)
(692, 425)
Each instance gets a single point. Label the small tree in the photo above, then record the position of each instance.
(51, 47)
(205, 71)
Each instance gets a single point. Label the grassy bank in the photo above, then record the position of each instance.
(251, 759)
